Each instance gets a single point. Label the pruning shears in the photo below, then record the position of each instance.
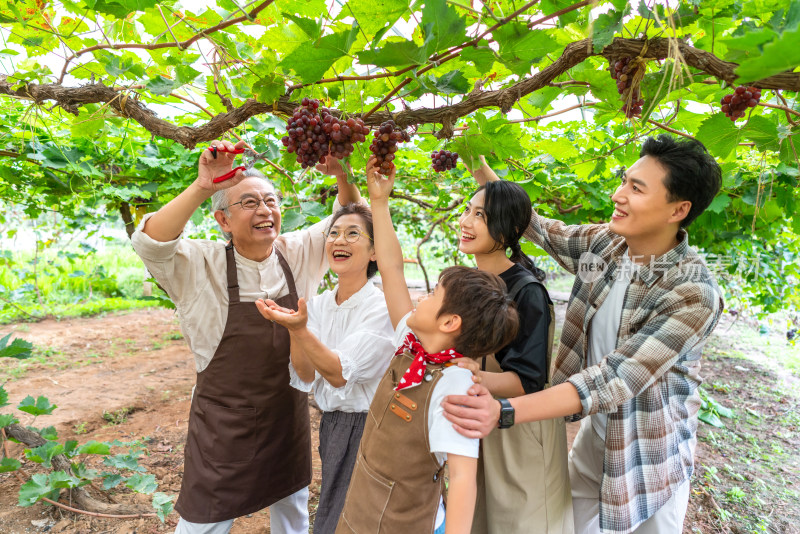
(249, 159)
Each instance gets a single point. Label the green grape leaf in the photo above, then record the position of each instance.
(18, 348)
(36, 488)
(142, 483)
(124, 461)
(163, 505)
(779, 55)
(605, 27)
(44, 453)
(719, 203)
(312, 59)
(719, 135)
(40, 406)
(442, 25)
(3, 397)
(62, 480)
(81, 471)
(394, 54)
(9, 464)
(291, 220)
(763, 132)
(7, 419)
(111, 480)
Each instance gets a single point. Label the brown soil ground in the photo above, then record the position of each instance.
(137, 362)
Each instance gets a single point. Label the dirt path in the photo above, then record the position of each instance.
(129, 376)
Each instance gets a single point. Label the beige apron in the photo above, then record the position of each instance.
(523, 479)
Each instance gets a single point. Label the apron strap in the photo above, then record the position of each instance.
(287, 273)
(233, 279)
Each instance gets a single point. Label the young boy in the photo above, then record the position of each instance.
(397, 483)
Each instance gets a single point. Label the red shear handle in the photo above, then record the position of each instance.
(230, 174)
(221, 148)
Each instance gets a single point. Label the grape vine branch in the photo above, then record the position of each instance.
(128, 105)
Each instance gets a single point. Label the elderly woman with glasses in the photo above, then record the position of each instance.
(341, 347)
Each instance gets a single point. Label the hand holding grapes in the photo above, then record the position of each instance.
(332, 167)
(379, 185)
(209, 167)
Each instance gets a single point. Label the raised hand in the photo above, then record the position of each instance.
(332, 167)
(378, 185)
(481, 171)
(209, 168)
(290, 319)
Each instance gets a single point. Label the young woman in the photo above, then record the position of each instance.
(522, 476)
(341, 347)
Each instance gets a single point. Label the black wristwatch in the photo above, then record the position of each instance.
(506, 414)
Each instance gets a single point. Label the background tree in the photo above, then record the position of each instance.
(107, 103)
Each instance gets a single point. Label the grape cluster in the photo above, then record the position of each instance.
(735, 104)
(385, 143)
(622, 71)
(343, 133)
(313, 133)
(305, 135)
(443, 160)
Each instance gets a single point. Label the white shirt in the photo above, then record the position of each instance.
(193, 272)
(604, 329)
(359, 332)
(443, 438)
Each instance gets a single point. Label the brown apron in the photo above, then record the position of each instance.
(396, 482)
(249, 442)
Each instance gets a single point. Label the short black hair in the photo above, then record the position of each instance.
(489, 319)
(363, 211)
(692, 173)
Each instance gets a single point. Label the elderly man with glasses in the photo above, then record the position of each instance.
(249, 444)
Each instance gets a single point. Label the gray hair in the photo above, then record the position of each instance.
(219, 200)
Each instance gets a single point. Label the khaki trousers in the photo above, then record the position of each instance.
(585, 471)
(523, 481)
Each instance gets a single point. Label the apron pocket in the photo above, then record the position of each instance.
(367, 498)
(227, 434)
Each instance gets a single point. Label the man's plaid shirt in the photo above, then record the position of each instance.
(648, 385)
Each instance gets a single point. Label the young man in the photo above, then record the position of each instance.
(249, 443)
(641, 308)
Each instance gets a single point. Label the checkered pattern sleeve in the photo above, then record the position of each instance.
(673, 334)
(565, 243)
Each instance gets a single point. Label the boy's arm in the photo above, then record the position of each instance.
(387, 246)
(461, 494)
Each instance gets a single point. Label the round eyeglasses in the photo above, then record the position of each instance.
(271, 202)
(351, 234)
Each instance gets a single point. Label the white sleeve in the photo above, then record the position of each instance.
(442, 436)
(179, 266)
(401, 331)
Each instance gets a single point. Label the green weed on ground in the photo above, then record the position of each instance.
(748, 472)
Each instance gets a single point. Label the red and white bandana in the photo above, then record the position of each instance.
(413, 376)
